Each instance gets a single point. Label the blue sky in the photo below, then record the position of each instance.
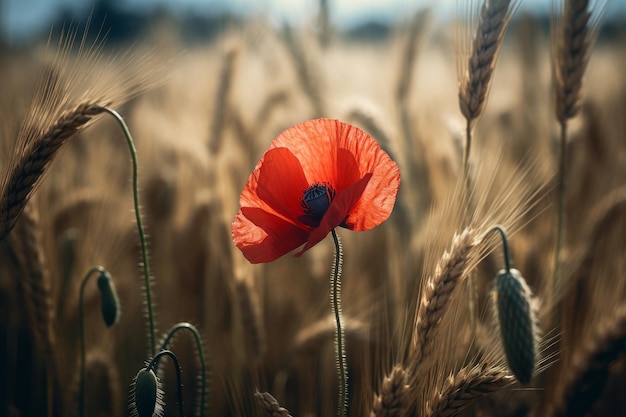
(19, 18)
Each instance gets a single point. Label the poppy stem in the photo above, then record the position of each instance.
(505, 245)
(140, 229)
(340, 343)
(200, 349)
(81, 330)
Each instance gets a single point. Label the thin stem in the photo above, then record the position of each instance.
(179, 384)
(472, 298)
(335, 299)
(142, 235)
(199, 346)
(560, 211)
(505, 245)
(466, 153)
(81, 330)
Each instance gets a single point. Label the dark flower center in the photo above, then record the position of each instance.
(315, 201)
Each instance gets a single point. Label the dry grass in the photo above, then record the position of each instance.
(411, 345)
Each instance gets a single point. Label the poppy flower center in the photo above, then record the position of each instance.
(316, 200)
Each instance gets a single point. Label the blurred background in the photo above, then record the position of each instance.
(24, 21)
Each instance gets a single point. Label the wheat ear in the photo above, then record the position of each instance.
(468, 385)
(253, 334)
(392, 400)
(492, 24)
(589, 372)
(30, 163)
(451, 269)
(36, 280)
(269, 405)
(572, 56)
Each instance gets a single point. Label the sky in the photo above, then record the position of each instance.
(19, 19)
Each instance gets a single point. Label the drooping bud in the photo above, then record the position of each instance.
(517, 320)
(147, 396)
(109, 299)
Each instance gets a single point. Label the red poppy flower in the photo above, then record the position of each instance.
(315, 176)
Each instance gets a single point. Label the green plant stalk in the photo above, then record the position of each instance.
(505, 245)
(199, 346)
(81, 330)
(179, 385)
(140, 229)
(335, 298)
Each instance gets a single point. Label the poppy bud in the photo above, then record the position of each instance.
(110, 301)
(148, 395)
(517, 320)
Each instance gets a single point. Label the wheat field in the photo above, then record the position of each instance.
(427, 327)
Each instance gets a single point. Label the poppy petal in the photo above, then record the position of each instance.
(315, 144)
(271, 189)
(337, 212)
(281, 182)
(264, 237)
(377, 201)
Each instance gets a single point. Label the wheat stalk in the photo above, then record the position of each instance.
(468, 385)
(451, 269)
(253, 333)
(221, 104)
(415, 172)
(36, 288)
(307, 78)
(392, 400)
(571, 46)
(586, 377)
(29, 165)
(602, 220)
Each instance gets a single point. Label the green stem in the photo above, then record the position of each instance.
(179, 383)
(199, 347)
(81, 330)
(142, 235)
(505, 245)
(335, 299)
